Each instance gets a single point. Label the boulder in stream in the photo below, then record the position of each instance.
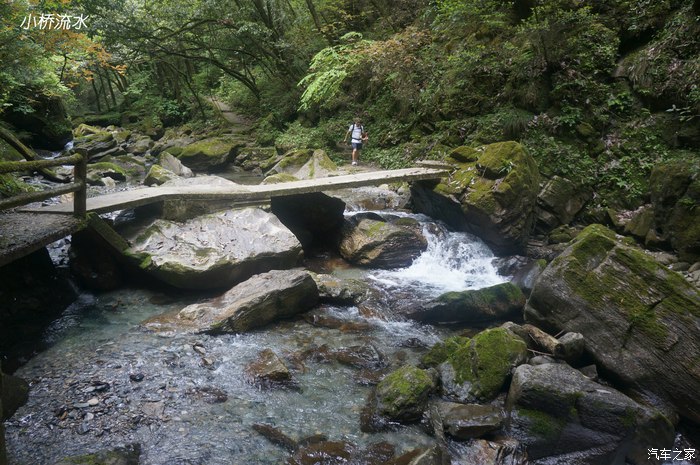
(209, 154)
(268, 370)
(216, 250)
(491, 193)
(260, 300)
(501, 302)
(370, 240)
(638, 318)
(403, 394)
(561, 416)
(477, 369)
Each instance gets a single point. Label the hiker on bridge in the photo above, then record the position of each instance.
(358, 135)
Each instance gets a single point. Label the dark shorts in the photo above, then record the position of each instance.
(357, 145)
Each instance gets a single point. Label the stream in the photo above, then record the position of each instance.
(105, 382)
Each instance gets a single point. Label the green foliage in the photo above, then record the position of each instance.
(329, 68)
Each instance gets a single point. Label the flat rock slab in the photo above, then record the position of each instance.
(214, 251)
(260, 300)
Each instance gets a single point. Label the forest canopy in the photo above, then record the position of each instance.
(602, 90)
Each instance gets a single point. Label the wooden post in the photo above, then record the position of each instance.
(80, 196)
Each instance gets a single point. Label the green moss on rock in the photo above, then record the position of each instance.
(487, 361)
(441, 351)
(403, 394)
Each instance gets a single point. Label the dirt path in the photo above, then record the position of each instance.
(239, 123)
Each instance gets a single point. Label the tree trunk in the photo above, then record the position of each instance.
(28, 154)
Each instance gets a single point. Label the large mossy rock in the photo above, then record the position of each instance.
(403, 394)
(495, 303)
(370, 240)
(209, 154)
(305, 164)
(477, 369)
(639, 319)
(216, 250)
(492, 192)
(561, 416)
(256, 302)
(675, 196)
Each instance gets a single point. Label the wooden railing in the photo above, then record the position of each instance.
(78, 185)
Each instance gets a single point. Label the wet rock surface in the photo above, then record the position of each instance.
(214, 251)
(561, 415)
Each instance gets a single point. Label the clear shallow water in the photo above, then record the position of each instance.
(195, 404)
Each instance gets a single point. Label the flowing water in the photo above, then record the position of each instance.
(105, 381)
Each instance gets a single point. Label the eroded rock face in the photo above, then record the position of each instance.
(563, 417)
(216, 250)
(369, 240)
(675, 196)
(256, 302)
(639, 319)
(491, 193)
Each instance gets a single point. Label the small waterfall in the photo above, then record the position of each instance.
(453, 261)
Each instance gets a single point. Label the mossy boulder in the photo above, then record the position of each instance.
(639, 318)
(561, 416)
(279, 178)
(250, 158)
(96, 143)
(158, 175)
(370, 240)
(85, 129)
(209, 154)
(479, 367)
(214, 251)
(97, 171)
(675, 196)
(492, 195)
(305, 164)
(501, 302)
(403, 394)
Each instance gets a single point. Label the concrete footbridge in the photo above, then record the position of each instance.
(29, 228)
(239, 193)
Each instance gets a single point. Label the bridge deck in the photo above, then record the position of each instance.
(24, 233)
(241, 193)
